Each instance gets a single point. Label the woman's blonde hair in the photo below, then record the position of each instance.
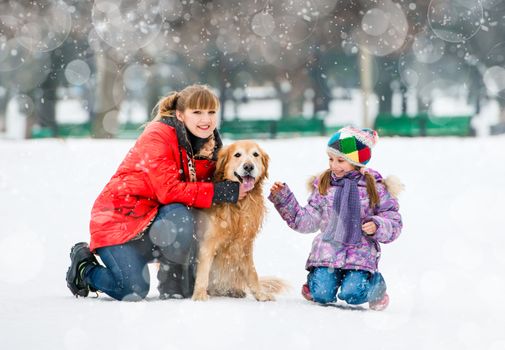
(194, 97)
(325, 182)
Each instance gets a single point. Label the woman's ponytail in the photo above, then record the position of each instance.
(166, 106)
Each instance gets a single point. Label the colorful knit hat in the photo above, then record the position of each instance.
(354, 144)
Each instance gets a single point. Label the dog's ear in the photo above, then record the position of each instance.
(222, 159)
(265, 159)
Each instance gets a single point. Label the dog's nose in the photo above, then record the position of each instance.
(248, 167)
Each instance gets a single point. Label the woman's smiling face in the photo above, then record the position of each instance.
(200, 122)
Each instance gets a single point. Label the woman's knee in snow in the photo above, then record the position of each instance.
(133, 292)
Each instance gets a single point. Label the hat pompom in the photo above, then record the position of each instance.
(370, 137)
(367, 136)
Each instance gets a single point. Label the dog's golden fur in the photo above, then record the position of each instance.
(226, 266)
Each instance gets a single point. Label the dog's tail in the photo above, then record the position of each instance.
(273, 285)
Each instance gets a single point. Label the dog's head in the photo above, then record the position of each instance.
(242, 161)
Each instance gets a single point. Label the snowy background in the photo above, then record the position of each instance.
(444, 273)
(68, 61)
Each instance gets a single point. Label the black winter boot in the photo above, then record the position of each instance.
(189, 273)
(80, 257)
(170, 281)
(176, 281)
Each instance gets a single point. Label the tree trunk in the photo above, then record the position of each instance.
(105, 123)
(282, 95)
(403, 91)
(46, 106)
(3, 111)
(222, 99)
(322, 94)
(153, 96)
(365, 62)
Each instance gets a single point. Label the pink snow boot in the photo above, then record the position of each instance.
(380, 304)
(306, 292)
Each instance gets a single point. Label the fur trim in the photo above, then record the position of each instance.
(313, 182)
(206, 150)
(310, 183)
(394, 185)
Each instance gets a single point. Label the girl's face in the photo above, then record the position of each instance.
(339, 166)
(200, 122)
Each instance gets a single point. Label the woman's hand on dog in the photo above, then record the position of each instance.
(276, 187)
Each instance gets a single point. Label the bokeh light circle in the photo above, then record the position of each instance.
(110, 122)
(384, 29)
(493, 76)
(292, 30)
(375, 22)
(494, 79)
(493, 5)
(496, 56)
(428, 48)
(455, 20)
(48, 29)
(171, 10)
(24, 104)
(410, 77)
(77, 72)
(228, 43)
(12, 54)
(127, 25)
(263, 24)
(135, 77)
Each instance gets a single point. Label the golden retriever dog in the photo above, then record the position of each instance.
(225, 259)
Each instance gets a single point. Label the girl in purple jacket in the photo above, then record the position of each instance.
(355, 210)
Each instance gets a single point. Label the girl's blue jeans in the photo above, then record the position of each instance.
(356, 286)
(125, 276)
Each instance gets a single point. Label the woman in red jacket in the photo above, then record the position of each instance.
(146, 211)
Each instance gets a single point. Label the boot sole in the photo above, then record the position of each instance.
(72, 277)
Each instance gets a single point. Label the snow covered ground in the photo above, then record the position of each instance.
(444, 273)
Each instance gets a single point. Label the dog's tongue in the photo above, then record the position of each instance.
(248, 182)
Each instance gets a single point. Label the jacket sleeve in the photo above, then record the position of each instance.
(302, 219)
(158, 153)
(386, 217)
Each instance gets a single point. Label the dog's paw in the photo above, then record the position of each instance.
(200, 295)
(236, 293)
(261, 296)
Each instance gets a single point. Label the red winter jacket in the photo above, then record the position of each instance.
(148, 177)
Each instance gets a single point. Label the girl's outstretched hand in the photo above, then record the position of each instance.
(276, 187)
(369, 228)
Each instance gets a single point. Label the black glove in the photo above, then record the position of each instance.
(226, 192)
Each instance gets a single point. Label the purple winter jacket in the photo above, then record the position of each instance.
(316, 215)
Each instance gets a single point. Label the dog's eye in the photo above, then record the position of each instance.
(237, 154)
(256, 154)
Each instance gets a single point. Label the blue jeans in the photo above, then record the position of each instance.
(356, 286)
(170, 237)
